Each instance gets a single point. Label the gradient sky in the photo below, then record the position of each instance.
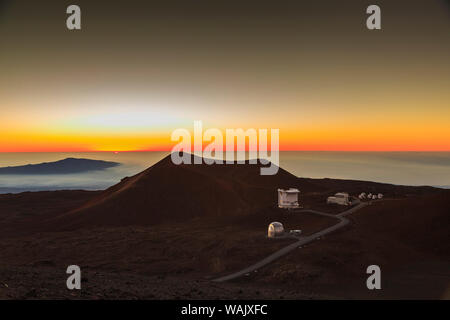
(140, 69)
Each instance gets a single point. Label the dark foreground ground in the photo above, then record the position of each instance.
(178, 261)
(139, 253)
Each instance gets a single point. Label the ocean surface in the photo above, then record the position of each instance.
(406, 168)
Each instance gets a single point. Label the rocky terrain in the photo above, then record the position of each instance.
(168, 231)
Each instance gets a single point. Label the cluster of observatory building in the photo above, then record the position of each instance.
(288, 199)
(370, 196)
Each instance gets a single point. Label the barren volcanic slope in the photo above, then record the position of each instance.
(169, 193)
(163, 232)
(166, 193)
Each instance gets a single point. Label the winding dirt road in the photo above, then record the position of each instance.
(302, 241)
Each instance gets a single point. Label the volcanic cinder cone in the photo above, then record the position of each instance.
(169, 192)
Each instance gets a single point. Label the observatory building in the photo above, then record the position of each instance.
(288, 198)
(276, 229)
(341, 198)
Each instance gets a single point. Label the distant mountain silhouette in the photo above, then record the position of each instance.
(66, 166)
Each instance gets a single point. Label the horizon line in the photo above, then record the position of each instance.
(169, 151)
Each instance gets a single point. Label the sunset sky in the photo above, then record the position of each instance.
(140, 69)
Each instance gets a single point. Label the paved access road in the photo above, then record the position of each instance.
(302, 241)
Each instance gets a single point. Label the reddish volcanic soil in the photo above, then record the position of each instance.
(166, 232)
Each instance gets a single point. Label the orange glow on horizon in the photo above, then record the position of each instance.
(142, 145)
(342, 136)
